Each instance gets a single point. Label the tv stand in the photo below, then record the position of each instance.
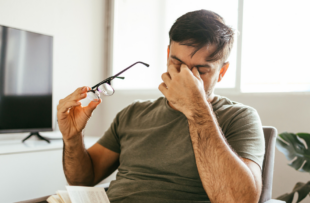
(38, 136)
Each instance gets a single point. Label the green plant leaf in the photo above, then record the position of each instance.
(302, 189)
(288, 197)
(295, 150)
(306, 138)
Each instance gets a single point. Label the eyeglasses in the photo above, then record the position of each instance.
(105, 86)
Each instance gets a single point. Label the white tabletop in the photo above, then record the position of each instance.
(12, 143)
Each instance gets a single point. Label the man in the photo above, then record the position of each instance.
(189, 146)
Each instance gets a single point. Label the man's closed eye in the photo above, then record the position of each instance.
(203, 70)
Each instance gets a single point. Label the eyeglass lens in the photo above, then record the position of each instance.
(105, 89)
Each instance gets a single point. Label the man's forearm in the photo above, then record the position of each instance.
(224, 176)
(77, 163)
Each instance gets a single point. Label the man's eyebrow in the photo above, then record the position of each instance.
(198, 66)
(176, 58)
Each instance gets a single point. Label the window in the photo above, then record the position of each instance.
(274, 38)
(275, 47)
(141, 34)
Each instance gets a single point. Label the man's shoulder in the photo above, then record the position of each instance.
(147, 104)
(225, 106)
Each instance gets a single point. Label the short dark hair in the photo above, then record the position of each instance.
(203, 27)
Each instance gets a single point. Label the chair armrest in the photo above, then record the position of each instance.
(37, 200)
(274, 201)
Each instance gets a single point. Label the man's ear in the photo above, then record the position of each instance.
(223, 71)
(168, 52)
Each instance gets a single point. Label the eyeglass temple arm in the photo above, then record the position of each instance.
(147, 65)
(121, 78)
(109, 79)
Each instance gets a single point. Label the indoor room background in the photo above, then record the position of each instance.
(94, 39)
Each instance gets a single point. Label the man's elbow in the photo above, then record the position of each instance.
(78, 182)
(249, 196)
(253, 198)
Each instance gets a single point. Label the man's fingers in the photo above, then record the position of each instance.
(78, 90)
(196, 72)
(183, 67)
(78, 94)
(173, 70)
(65, 107)
(163, 88)
(81, 90)
(85, 89)
(91, 107)
(166, 78)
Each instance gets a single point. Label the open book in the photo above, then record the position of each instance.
(78, 194)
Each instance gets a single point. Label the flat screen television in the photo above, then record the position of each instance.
(25, 81)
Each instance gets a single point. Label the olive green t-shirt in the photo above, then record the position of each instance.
(157, 161)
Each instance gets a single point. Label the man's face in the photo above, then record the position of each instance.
(210, 71)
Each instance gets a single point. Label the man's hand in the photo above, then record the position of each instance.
(184, 90)
(72, 117)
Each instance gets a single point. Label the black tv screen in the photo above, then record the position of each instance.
(25, 81)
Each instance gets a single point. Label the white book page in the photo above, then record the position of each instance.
(64, 196)
(79, 194)
(54, 199)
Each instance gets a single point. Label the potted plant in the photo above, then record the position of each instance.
(296, 148)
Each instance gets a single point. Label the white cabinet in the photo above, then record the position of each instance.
(33, 169)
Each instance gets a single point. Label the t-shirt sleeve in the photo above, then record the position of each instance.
(245, 135)
(111, 138)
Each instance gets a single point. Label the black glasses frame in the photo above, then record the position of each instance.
(109, 79)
